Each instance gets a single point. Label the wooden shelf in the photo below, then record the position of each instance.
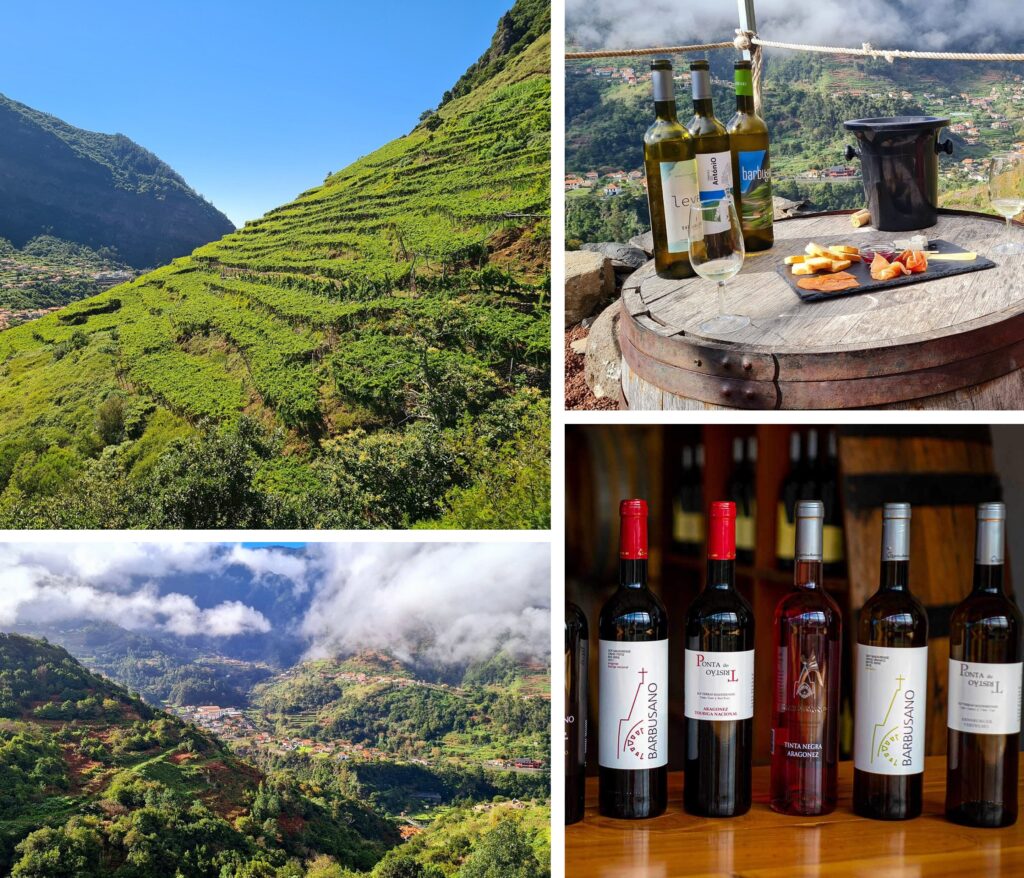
(769, 845)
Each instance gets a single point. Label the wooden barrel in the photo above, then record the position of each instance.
(943, 472)
(950, 342)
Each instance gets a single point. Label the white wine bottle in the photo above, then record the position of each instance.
(751, 167)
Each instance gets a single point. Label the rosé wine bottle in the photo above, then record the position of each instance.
(805, 715)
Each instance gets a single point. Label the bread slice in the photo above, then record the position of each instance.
(803, 268)
(839, 265)
(818, 263)
(813, 249)
(795, 260)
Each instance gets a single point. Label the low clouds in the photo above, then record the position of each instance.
(442, 604)
(927, 25)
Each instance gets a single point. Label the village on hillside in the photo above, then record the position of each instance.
(980, 119)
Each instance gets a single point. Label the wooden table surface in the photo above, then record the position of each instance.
(763, 844)
(875, 348)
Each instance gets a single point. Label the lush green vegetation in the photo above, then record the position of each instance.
(374, 354)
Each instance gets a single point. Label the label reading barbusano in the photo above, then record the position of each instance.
(891, 688)
(634, 704)
(719, 685)
(714, 179)
(755, 188)
(984, 698)
(678, 192)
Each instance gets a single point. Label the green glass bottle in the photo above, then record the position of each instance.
(751, 169)
(671, 177)
(714, 160)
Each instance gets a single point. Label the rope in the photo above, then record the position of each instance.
(748, 41)
(660, 50)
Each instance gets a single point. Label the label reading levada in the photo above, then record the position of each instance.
(678, 192)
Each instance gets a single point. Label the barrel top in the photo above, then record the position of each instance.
(781, 323)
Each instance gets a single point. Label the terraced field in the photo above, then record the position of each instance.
(374, 354)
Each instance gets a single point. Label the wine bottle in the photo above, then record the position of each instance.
(804, 743)
(714, 161)
(633, 683)
(743, 493)
(983, 714)
(718, 692)
(751, 166)
(891, 684)
(576, 668)
(682, 522)
(833, 550)
(671, 177)
(789, 494)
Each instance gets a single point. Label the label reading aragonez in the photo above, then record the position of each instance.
(718, 685)
(633, 704)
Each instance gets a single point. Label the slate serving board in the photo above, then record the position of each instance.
(862, 271)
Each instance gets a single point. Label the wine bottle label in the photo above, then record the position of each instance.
(687, 527)
(678, 192)
(785, 534)
(831, 544)
(714, 179)
(984, 698)
(633, 705)
(755, 188)
(746, 530)
(891, 691)
(719, 685)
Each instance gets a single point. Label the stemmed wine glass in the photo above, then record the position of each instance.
(1006, 192)
(716, 253)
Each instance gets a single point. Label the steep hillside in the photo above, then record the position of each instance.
(374, 354)
(93, 781)
(101, 190)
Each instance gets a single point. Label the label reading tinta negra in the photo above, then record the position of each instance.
(984, 698)
(891, 687)
(678, 192)
(633, 704)
(719, 685)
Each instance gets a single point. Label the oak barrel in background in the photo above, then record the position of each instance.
(943, 472)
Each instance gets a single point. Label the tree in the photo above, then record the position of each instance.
(504, 852)
(110, 419)
(72, 851)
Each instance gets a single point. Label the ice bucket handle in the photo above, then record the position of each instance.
(852, 153)
(945, 146)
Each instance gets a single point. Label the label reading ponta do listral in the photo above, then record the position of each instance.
(984, 698)
(755, 188)
(719, 685)
(714, 177)
(891, 688)
(678, 192)
(633, 704)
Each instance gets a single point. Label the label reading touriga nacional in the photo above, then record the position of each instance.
(984, 698)
(891, 686)
(633, 704)
(678, 192)
(719, 685)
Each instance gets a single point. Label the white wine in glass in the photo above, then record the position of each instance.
(1006, 192)
(716, 253)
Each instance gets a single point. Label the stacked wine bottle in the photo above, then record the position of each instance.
(890, 677)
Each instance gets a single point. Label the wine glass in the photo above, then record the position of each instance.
(1006, 192)
(716, 253)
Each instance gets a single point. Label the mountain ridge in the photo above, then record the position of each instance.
(100, 190)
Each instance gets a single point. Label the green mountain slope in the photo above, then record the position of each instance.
(101, 190)
(374, 354)
(93, 781)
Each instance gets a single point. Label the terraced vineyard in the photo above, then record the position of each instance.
(374, 354)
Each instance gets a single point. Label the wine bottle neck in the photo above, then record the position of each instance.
(988, 578)
(745, 104)
(703, 107)
(666, 110)
(721, 575)
(808, 575)
(895, 576)
(632, 573)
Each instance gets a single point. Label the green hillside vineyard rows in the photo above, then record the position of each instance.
(374, 354)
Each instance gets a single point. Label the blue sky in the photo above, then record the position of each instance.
(252, 103)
